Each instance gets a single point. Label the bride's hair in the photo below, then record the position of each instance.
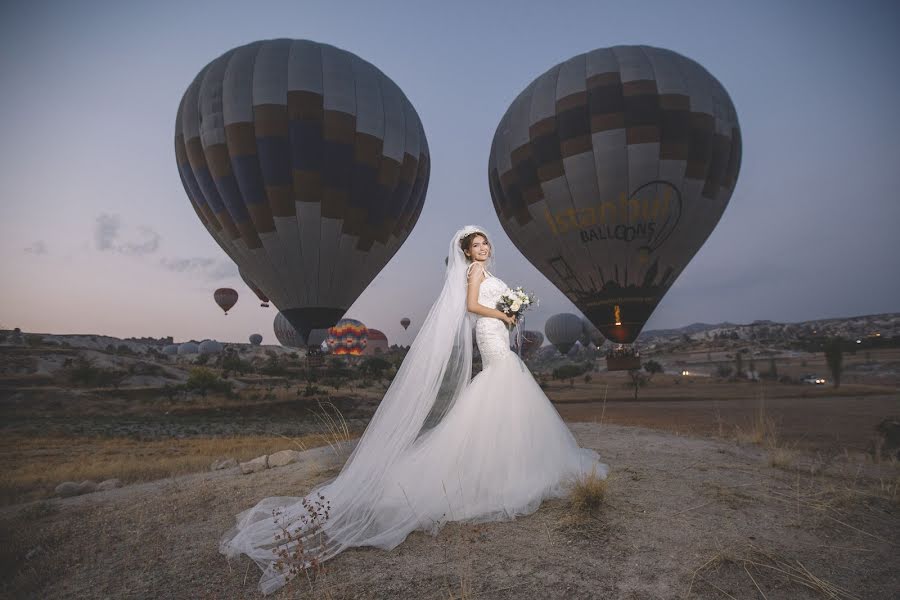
(465, 242)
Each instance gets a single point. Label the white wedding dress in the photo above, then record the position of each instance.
(498, 454)
(441, 447)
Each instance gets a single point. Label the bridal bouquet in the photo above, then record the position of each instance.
(514, 301)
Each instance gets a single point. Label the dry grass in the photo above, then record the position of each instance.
(33, 466)
(765, 569)
(587, 492)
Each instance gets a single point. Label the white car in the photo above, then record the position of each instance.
(812, 380)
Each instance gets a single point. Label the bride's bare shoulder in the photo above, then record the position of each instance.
(475, 271)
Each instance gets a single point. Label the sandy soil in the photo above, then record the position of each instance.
(684, 518)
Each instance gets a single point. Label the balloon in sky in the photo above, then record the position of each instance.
(563, 330)
(609, 171)
(590, 334)
(225, 298)
(263, 299)
(376, 342)
(307, 165)
(256, 339)
(405, 322)
(531, 341)
(349, 336)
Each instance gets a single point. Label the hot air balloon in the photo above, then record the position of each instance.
(563, 330)
(210, 347)
(256, 339)
(590, 334)
(307, 165)
(170, 349)
(188, 348)
(376, 342)
(609, 171)
(530, 341)
(286, 334)
(349, 336)
(263, 299)
(225, 298)
(405, 322)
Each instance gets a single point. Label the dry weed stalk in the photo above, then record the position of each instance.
(292, 549)
(767, 562)
(336, 429)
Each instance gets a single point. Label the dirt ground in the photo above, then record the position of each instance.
(684, 517)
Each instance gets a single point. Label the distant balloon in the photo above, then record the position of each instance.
(349, 336)
(263, 299)
(256, 339)
(376, 342)
(609, 171)
(590, 334)
(171, 349)
(307, 165)
(405, 322)
(563, 330)
(210, 347)
(188, 348)
(225, 298)
(531, 341)
(286, 334)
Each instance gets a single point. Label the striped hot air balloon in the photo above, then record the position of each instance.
(349, 336)
(609, 171)
(226, 298)
(307, 165)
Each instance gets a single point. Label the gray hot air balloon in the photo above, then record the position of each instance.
(307, 165)
(286, 334)
(256, 339)
(188, 348)
(210, 347)
(590, 334)
(563, 330)
(170, 349)
(609, 171)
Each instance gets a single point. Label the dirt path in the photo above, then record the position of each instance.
(684, 517)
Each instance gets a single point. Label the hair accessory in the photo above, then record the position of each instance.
(469, 230)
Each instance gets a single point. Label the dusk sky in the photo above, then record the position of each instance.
(99, 237)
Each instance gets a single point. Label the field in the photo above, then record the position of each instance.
(719, 487)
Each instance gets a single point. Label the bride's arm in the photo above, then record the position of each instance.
(476, 276)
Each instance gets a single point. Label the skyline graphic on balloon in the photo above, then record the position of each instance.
(307, 165)
(609, 171)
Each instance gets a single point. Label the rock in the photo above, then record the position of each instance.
(260, 463)
(34, 552)
(223, 463)
(108, 484)
(87, 486)
(67, 489)
(284, 457)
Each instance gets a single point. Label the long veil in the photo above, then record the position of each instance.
(435, 371)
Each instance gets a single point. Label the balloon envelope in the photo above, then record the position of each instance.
(210, 347)
(405, 322)
(349, 336)
(264, 300)
(286, 334)
(256, 339)
(307, 165)
(376, 342)
(188, 348)
(226, 298)
(609, 171)
(563, 330)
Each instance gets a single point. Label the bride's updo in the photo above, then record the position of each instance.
(465, 242)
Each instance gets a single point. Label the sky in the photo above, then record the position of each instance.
(99, 237)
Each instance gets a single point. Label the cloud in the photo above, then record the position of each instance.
(107, 229)
(38, 247)
(211, 269)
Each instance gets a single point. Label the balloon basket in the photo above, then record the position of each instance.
(623, 363)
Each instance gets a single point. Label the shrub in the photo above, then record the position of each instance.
(204, 380)
(84, 372)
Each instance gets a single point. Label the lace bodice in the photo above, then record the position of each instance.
(491, 334)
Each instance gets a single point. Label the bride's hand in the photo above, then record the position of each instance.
(508, 319)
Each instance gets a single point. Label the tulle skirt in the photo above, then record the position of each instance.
(499, 453)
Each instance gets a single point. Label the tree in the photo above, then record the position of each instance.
(834, 357)
(638, 380)
(652, 367)
(569, 372)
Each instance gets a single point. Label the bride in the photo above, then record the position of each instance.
(441, 446)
